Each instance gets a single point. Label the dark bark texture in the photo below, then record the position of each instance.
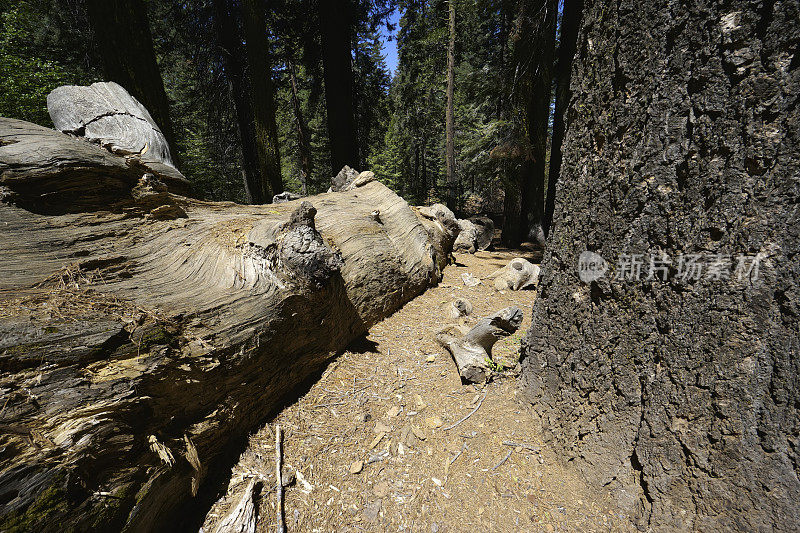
(262, 96)
(681, 395)
(235, 68)
(533, 44)
(570, 21)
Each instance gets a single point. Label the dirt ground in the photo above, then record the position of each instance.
(371, 448)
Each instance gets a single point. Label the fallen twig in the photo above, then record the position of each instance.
(498, 465)
(281, 527)
(531, 447)
(469, 415)
(456, 456)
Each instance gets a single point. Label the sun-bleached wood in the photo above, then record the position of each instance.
(127, 312)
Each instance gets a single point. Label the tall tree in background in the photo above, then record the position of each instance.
(452, 185)
(262, 97)
(336, 29)
(125, 44)
(303, 142)
(570, 22)
(533, 42)
(232, 54)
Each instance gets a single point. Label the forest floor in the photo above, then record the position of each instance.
(370, 445)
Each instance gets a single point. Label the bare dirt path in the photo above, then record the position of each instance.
(369, 439)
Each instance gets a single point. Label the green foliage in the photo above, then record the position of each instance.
(412, 159)
(400, 121)
(31, 62)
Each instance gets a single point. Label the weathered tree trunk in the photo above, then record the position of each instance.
(680, 394)
(533, 41)
(303, 139)
(140, 331)
(122, 35)
(232, 59)
(452, 185)
(262, 96)
(335, 19)
(570, 21)
(476, 234)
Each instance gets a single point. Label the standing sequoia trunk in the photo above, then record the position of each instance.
(262, 96)
(122, 35)
(142, 333)
(570, 20)
(452, 185)
(682, 394)
(335, 20)
(232, 54)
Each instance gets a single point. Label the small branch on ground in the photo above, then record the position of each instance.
(281, 526)
(473, 352)
(469, 415)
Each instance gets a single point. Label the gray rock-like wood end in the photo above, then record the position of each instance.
(518, 274)
(105, 113)
(129, 312)
(476, 235)
(472, 352)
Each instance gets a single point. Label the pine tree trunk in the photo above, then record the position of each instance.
(536, 109)
(680, 395)
(335, 19)
(416, 185)
(570, 21)
(232, 54)
(262, 97)
(122, 34)
(533, 42)
(452, 185)
(306, 164)
(424, 180)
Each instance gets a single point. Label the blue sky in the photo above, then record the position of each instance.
(390, 47)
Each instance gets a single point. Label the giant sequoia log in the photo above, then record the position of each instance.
(141, 331)
(683, 138)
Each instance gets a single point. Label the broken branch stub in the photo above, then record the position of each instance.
(473, 352)
(460, 307)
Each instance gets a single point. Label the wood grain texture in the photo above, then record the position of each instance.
(116, 325)
(106, 114)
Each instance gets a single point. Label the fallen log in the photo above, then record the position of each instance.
(105, 113)
(472, 353)
(117, 325)
(476, 234)
(243, 517)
